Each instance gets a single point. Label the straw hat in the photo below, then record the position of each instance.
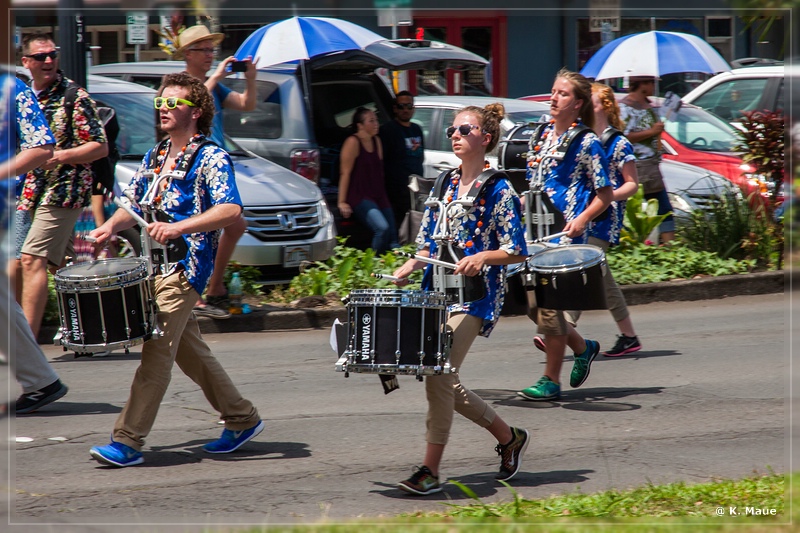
(193, 35)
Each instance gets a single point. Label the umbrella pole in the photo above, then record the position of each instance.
(306, 90)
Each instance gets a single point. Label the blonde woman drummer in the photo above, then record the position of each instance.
(491, 235)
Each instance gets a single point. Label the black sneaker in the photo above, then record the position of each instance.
(511, 454)
(624, 346)
(31, 401)
(422, 482)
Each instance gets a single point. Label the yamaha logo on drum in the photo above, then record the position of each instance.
(73, 318)
(366, 335)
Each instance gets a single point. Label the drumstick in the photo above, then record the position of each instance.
(553, 236)
(386, 277)
(427, 259)
(139, 220)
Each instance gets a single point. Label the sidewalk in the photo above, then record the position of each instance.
(269, 318)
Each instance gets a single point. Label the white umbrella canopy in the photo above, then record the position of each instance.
(301, 38)
(654, 53)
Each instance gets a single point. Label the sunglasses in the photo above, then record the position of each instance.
(42, 56)
(463, 129)
(171, 102)
(404, 106)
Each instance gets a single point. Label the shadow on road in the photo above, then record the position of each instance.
(485, 485)
(596, 399)
(69, 357)
(191, 452)
(62, 408)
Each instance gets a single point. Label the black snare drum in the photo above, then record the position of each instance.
(392, 331)
(570, 277)
(105, 305)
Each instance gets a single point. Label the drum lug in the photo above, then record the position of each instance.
(554, 282)
(583, 277)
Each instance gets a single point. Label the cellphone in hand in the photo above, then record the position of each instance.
(239, 66)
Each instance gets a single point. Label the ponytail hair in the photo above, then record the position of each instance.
(610, 107)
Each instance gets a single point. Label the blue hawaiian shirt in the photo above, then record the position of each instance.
(493, 223)
(570, 183)
(209, 181)
(618, 152)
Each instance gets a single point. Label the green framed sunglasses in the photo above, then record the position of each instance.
(172, 102)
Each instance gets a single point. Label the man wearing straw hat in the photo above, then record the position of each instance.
(196, 46)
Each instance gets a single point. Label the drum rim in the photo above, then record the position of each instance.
(549, 269)
(141, 263)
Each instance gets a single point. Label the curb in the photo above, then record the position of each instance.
(667, 291)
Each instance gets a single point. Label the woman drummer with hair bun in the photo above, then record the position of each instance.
(490, 234)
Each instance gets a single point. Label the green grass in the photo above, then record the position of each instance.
(651, 508)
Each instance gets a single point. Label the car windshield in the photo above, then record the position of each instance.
(700, 130)
(137, 123)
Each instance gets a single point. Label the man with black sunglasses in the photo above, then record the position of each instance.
(403, 154)
(55, 193)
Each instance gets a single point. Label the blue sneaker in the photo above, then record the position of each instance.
(583, 363)
(116, 454)
(233, 440)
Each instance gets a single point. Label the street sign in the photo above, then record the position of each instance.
(137, 27)
(604, 11)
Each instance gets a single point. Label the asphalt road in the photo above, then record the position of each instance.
(706, 398)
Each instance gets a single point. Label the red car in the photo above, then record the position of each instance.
(696, 137)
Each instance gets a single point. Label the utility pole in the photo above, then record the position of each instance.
(72, 40)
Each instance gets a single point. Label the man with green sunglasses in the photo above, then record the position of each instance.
(186, 184)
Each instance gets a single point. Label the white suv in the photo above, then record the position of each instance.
(753, 88)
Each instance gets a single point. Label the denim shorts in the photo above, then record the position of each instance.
(663, 207)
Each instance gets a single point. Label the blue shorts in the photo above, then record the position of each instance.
(664, 207)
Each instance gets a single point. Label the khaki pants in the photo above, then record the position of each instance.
(614, 298)
(446, 393)
(183, 345)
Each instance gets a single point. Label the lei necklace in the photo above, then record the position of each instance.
(162, 156)
(546, 142)
(481, 207)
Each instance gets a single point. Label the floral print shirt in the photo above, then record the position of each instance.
(570, 183)
(492, 223)
(618, 152)
(66, 185)
(208, 182)
(640, 120)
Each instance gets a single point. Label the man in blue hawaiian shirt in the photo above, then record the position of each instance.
(33, 146)
(197, 205)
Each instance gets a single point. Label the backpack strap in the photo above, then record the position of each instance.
(70, 95)
(440, 185)
(192, 149)
(573, 134)
(609, 135)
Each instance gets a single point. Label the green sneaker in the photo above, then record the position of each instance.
(583, 362)
(544, 390)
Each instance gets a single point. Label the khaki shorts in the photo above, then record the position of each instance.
(51, 233)
(548, 321)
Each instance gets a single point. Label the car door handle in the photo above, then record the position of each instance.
(443, 166)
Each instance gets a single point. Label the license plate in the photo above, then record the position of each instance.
(294, 255)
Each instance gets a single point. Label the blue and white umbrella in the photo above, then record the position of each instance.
(654, 53)
(300, 38)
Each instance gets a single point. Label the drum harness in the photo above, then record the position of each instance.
(162, 258)
(546, 214)
(463, 288)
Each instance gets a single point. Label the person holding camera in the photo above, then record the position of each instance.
(196, 45)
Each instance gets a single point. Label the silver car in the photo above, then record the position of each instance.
(288, 221)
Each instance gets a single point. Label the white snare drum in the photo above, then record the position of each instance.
(105, 305)
(393, 331)
(570, 277)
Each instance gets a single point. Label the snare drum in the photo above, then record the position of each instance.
(523, 268)
(570, 277)
(392, 331)
(105, 305)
